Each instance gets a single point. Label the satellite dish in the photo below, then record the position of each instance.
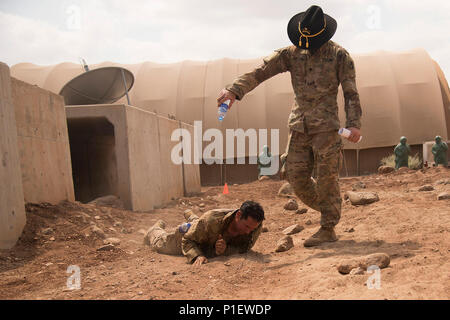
(99, 86)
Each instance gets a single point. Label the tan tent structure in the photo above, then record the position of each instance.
(402, 94)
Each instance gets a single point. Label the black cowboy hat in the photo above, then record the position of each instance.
(311, 29)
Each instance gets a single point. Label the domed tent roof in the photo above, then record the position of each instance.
(402, 93)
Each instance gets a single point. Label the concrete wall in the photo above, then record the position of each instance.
(43, 144)
(12, 209)
(171, 174)
(147, 189)
(143, 174)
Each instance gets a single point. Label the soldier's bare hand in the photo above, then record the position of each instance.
(225, 95)
(354, 135)
(221, 246)
(199, 261)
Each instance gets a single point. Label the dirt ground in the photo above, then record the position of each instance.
(411, 226)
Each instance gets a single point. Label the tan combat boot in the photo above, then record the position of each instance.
(187, 214)
(160, 223)
(325, 234)
(153, 231)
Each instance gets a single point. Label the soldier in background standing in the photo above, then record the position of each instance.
(317, 66)
(439, 151)
(402, 151)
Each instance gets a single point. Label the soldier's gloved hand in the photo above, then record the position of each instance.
(225, 95)
(354, 135)
(221, 246)
(199, 261)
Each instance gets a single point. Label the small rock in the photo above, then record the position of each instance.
(114, 241)
(301, 211)
(443, 181)
(48, 264)
(403, 170)
(227, 264)
(357, 271)
(385, 169)
(52, 239)
(174, 273)
(140, 293)
(296, 228)
(286, 190)
(264, 229)
(201, 205)
(104, 210)
(84, 217)
(117, 224)
(427, 187)
(362, 198)
(358, 185)
(98, 232)
(308, 222)
(47, 231)
(124, 230)
(284, 244)
(443, 196)
(291, 205)
(107, 247)
(350, 230)
(97, 218)
(381, 260)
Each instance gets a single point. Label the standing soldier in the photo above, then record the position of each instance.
(317, 66)
(439, 151)
(402, 151)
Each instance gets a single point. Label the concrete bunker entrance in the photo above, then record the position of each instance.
(93, 153)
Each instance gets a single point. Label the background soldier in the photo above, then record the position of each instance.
(402, 151)
(317, 66)
(439, 151)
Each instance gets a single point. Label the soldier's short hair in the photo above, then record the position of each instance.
(252, 209)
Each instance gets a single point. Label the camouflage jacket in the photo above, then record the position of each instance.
(202, 235)
(315, 79)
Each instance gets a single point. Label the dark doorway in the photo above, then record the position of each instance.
(93, 153)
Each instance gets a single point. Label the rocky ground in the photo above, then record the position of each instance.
(410, 226)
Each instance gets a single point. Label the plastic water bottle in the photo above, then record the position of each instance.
(184, 227)
(346, 133)
(223, 109)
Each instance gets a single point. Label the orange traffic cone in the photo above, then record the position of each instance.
(225, 189)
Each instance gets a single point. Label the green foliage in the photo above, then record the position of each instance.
(414, 162)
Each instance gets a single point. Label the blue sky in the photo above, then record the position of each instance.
(50, 31)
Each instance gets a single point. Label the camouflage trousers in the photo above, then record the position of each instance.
(320, 152)
(166, 242)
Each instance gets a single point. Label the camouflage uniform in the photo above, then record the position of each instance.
(201, 238)
(314, 120)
